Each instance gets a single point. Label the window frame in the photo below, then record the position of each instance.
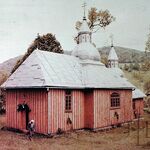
(68, 101)
(115, 100)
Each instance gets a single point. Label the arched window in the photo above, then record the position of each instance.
(115, 99)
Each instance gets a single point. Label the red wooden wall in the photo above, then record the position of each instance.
(36, 100)
(88, 109)
(139, 105)
(58, 116)
(104, 115)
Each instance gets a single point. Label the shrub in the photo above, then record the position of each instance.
(136, 66)
(137, 75)
(126, 67)
(147, 86)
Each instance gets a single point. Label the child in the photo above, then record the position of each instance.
(31, 128)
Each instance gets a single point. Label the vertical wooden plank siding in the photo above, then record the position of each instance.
(139, 105)
(104, 115)
(58, 116)
(88, 109)
(37, 102)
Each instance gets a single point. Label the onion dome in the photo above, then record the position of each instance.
(85, 49)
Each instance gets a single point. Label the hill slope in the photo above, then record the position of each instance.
(125, 55)
(7, 66)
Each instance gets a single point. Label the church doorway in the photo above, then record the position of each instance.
(24, 110)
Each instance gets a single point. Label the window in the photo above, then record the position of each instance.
(68, 101)
(115, 100)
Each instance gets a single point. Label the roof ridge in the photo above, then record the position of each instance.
(42, 65)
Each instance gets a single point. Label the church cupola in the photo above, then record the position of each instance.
(85, 33)
(85, 50)
(112, 57)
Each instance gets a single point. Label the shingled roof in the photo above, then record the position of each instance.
(48, 69)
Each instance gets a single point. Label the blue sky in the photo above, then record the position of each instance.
(20, 21)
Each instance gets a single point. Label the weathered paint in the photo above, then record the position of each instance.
(37, 102)
(138, 105)
(58, 116)
(88, 109)
(104, 114)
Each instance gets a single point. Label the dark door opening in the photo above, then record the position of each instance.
(24, 108)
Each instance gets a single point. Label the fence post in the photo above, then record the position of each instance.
(138, 128)
(146, 129)
(128, 128)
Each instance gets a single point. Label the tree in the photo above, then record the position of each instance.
(147, 86)
(2, 101)
(46, 42)
(3, 77)
(104, 60)
(147, 45)
(145, 65)
(97, 19)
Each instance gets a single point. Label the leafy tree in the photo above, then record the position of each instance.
(147, 45)
(145, 65)
(147, 86)
(136, 66)
(104, 60)
(2, 101)
(3, 77)
(97, 19)
(46, 42)
(126, 67)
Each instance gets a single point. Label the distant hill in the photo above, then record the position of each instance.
(7, 65)
(125, 55)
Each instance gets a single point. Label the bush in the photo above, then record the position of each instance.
(147, 86)
(145, 65)
(2, 102)
(137, 75)
(126, 67)
(136, 66)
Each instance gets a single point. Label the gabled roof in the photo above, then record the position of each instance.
(137, 93)
(43, 69)
(48, 69)
(112, 54)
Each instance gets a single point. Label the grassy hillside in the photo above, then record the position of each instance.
(138, 78)
(9, 64)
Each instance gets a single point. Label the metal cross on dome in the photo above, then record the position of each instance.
(84, 5)
(112, 38)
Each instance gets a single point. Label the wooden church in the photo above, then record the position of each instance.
(65, 92)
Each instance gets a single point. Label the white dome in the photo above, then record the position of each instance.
(86, 50)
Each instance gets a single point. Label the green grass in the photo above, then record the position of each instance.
(138, 78)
